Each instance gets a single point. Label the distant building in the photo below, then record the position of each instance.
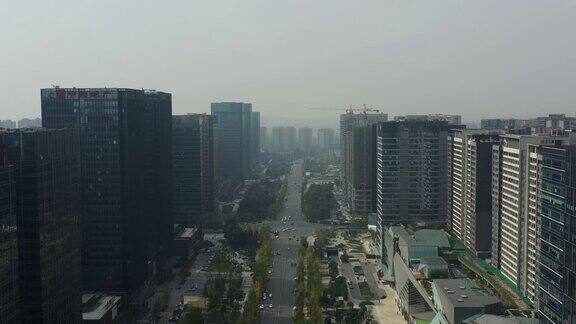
(194, 181)
(264, 144)
(9, 296)
(255, 137)
(30, 123)
(111, 122)
(234, 145)
(305, 139)
(470, 188)
(48, 214)
(284, 139)
(326, 138)
(545, 124)
(101, 309)
(7, 124)
(451, 119)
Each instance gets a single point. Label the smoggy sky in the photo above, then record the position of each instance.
(513, 58)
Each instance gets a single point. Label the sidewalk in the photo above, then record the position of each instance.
(386, 311)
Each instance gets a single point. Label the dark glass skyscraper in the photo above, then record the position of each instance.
(193, 158)
(8, 241)
(115, 227)
(158, 159)
(234, 144)
(48, 215)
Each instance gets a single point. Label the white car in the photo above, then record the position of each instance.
(261, 306)
(271, 306)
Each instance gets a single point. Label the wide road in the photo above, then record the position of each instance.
(281, 284)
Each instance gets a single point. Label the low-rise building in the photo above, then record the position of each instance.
(101, 309)
(186, 241)
(459, 299)
(433, 267)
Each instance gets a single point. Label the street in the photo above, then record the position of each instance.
(281, 284)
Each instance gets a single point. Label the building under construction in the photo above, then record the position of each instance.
(357, 142)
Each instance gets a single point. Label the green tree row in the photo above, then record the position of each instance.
(260, 276)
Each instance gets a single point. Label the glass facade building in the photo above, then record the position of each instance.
(48, 220)
(8, 242)
(115, 226)
(193, 159)
(557, 257)
(158, 171)
(234, 134)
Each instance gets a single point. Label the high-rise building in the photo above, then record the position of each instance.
(357, 151)
(305, 139)
(515, 177)
(111, 123)
(291, 138)
(9, 296)
(193, 149)
(279, 139)
(48, 220)
(234, 145)
(557, 236)
(264, 145)
(30, 123)
(255, 136)
(7, 124)
(411, 166)
(470, 188)
(284, 139)
(326, 138)
(158, 173)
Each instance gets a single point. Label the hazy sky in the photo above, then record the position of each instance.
(478, 58)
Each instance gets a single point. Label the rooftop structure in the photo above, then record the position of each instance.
(459, 299)
(100, 308)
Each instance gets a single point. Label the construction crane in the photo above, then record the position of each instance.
(365, 161)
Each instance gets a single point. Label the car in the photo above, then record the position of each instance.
(269, 271)
(261, 306)
(271, 306)
(270, 295)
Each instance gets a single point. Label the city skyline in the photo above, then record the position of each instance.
(474, 59)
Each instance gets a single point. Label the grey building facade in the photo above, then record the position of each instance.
(412, 164)
(194, 173)
(357, 151)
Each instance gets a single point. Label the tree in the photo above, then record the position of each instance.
(318, 202)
